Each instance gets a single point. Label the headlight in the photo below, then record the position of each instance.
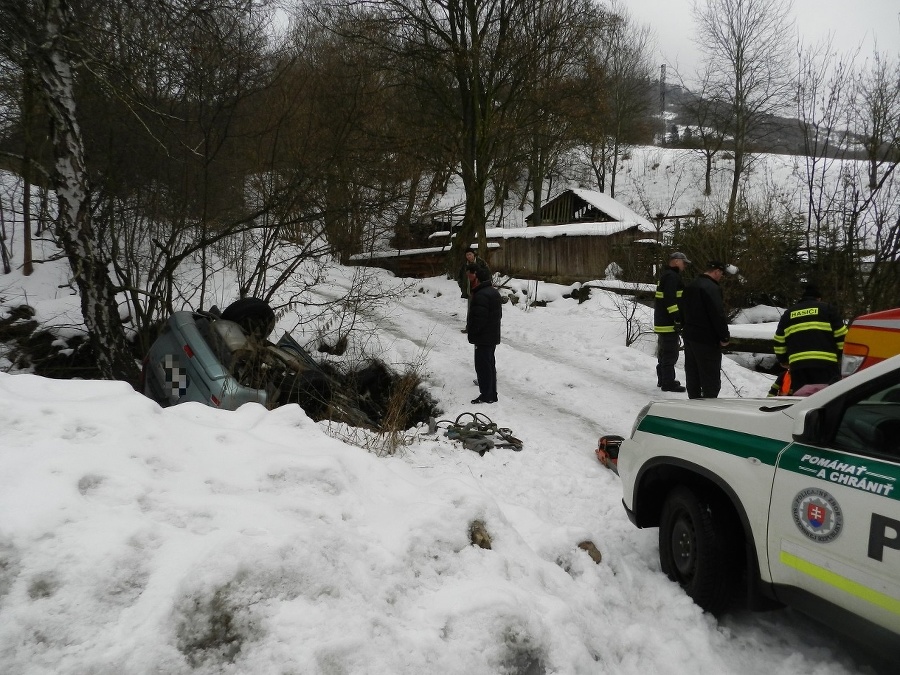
(641, 415)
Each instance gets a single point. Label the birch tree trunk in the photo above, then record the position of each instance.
(90, 265)
(27, 106)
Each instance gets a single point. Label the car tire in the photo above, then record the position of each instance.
(696, 549)
(253, 315)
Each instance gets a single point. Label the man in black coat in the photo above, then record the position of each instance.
(483, 329)
(667, 321)
(705, 333)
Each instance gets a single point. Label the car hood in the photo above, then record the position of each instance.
(765, 417)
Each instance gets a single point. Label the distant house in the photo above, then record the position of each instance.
(582, 234)
(585, 206)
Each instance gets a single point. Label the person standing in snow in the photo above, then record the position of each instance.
(667, 321)
(810, 340)
(705, 332)
(463, 278)
(483, 329)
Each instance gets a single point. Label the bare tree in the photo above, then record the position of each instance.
(710, 118)
(471, 66)
(28, 104)
(879, 103)
(461, 55)
(849, 115)
(622, 111)
(746, 52)
(873, 213)
(165, 91)
(627, 85)
(824, 97)
(159, 95)
(379, 158)
(50, 30)
(636, 325)
(23, 128)
(567, 86)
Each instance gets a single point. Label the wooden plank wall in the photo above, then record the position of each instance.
(576, 258)
(564, 259)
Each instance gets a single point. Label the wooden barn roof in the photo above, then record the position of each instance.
(588, 206)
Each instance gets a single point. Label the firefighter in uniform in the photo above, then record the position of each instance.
(809, 340)
(667, 320)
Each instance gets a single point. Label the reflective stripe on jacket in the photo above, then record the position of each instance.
(810, 334)
(667, 303)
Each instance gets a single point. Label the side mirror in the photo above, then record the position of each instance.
(808, 428)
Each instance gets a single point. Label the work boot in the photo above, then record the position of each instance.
(673, 386)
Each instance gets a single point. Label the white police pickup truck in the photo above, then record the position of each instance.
(792, 501)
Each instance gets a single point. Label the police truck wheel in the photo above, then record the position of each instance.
(695, 549)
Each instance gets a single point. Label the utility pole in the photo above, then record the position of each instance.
(662, 103)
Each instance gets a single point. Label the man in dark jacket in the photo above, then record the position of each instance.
(705, 333)
(462, 276)
(667, 321)
(483, 329)
(809, 340)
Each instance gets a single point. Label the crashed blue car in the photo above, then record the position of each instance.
(224, 360)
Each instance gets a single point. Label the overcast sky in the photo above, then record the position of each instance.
(849, 23)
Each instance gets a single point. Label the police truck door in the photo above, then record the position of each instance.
(834, 520)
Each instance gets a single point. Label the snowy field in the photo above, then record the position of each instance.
(139, 540)
(135, 539)
(655, 180)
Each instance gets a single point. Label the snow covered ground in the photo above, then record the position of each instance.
(135, 539)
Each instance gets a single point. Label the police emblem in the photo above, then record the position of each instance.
(818, 515)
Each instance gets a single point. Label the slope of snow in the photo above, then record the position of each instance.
(141, 540)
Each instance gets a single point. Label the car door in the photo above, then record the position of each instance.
(834, 518)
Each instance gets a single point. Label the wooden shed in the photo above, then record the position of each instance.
(585, 206)
(575, 252)
(582, 234)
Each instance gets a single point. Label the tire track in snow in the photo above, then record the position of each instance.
(567, 435)
(520, 365)
(520, 362)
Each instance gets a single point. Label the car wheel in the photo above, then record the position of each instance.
(253, 315)
(696, 550)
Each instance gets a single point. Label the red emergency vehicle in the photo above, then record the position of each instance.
(871, 338)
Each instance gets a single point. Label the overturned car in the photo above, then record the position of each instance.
(224, 360)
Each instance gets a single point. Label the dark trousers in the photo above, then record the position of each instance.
(702, 367)
(829, 373)
(666, 357)
(486, 370)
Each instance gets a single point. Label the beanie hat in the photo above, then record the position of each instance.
(811, 291)
(483, 274)
(678, 255)
(722, 267)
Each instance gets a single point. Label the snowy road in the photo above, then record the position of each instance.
(565, 377)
